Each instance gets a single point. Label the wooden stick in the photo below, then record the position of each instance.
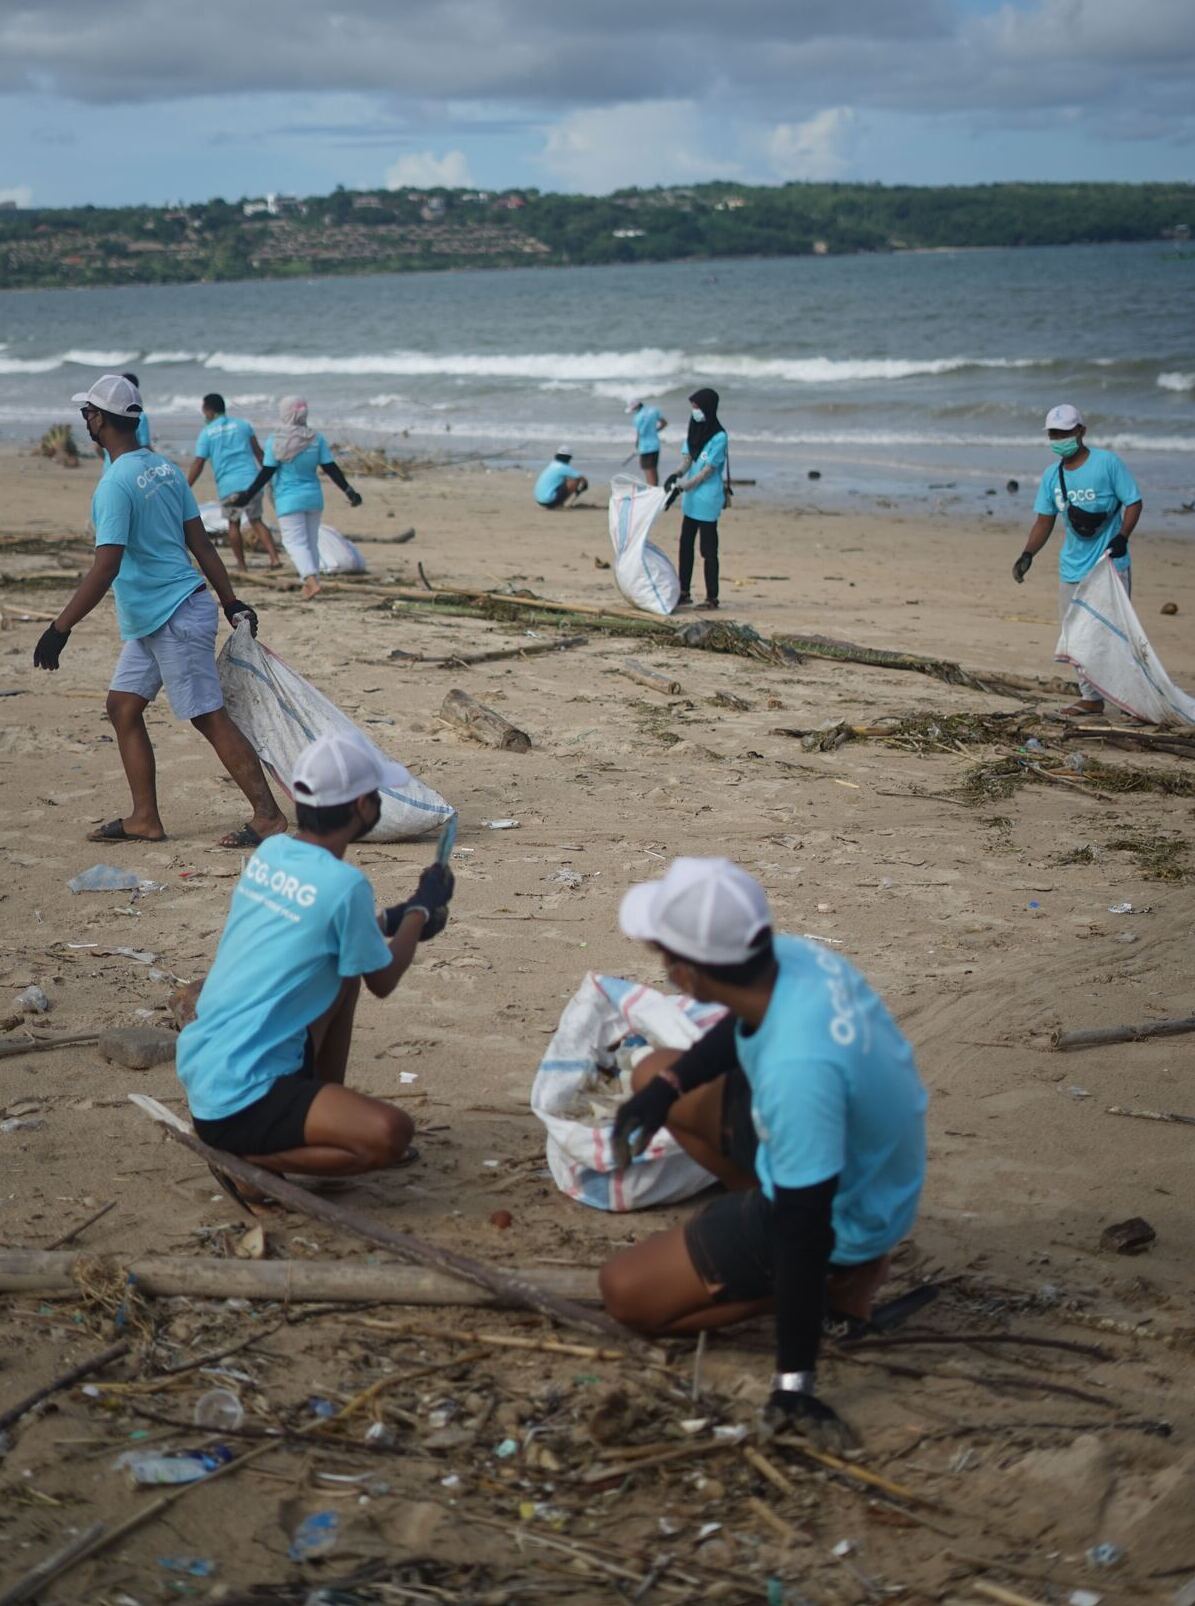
(546, 1346)
(458, 708)
(783, 1530)
(873, 1480)
(84, 1369)
(1122, 1034)
(51, 1566)
(768, 1469)
(1152, 1115)
(40, 1045)
(82, 1227)
(406, 1246)
(633, 669)
(288, 1281)
(531, 649)
(997, 1592)
(681, 1452)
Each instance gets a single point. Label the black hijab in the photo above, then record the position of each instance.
(701, 434)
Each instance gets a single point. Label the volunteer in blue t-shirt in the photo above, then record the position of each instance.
(264, 1060)
(235, 457)
(703, 485)
(804, 1100)
(147, 530)
(648, 422)
(294, 456)
(559, 481)
(1100, 506)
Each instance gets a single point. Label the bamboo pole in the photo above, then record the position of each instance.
(1064, 1041)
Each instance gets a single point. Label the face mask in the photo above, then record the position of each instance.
(1066, 448)
(697, 416)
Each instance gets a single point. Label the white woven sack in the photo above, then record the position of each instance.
(1102, 637)
(603, 1011)
(337, 554)
(212, 514)
(642, 572)
(281, 714)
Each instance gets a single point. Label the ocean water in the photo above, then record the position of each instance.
(917, 378)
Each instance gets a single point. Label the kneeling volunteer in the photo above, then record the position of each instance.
(804, 1100)
(263, 1062)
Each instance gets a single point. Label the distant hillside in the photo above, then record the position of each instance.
(376, 231)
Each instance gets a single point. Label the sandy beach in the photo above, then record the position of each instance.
(987, 926)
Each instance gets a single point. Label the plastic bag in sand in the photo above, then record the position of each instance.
(1102, 637)
(337, 554)
(643, 574)
(281, 714)
(583, 1078)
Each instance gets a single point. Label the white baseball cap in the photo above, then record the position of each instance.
(563, 451)
(1064, 416)
(706, 910)
(113, 393)
(633, 407)
(337, 769)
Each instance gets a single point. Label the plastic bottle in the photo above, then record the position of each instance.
(219, 1409)
(172, 1466)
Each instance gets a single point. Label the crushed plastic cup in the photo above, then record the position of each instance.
(315, 1536)
(33, 998)
(16, 1123)
(501, 825)
(105, 878)
(1105, 1555)
(1120, 908)
(219, 1409)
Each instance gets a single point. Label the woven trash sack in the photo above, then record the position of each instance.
(1102, 637)
(337, 554)
(281, 713)
(642, 572)
(583, 1078)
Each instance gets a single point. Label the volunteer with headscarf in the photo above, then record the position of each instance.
(702, 482)
(293, 453)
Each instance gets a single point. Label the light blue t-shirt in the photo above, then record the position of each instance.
(706, 501)
(1101, 484)
(140, 504)
(296, 484)
(551, 479)
(226, 442)
(835, 1093)
(647, 428)
(301, 922)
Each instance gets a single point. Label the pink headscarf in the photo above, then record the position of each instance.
(293, 435)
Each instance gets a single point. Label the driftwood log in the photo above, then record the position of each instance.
(1122, 1034)
(466, 660)
(488, 726)
(43, 1271)
(635, 670)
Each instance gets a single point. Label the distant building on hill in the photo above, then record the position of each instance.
(274, 205)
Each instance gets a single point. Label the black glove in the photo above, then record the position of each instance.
(671, 480)
(810, 1417)
(670, 499)
(235, 610)
(1021, 567)
(433, 895)
(639, 1118)
(240, 499)
(1118, 546)
(49, 647)
(355, 498)
(434, 924)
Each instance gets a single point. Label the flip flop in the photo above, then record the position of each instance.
(114, 831)
(243, 837)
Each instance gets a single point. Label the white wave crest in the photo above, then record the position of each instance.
(29, 365)
(98, 359)
(153, 357)
(1177, 381)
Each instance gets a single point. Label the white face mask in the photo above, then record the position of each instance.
(697, 416)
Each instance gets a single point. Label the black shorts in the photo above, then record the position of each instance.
(559, 497)
(273, 1123)
(649, 459)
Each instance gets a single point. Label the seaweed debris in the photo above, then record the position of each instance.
(1159, 857)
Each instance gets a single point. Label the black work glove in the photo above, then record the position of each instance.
(433, 925)
(432, 896)
(670, 498)
(1021, 567)
(1118, 546)
(235, 610)
(355, 497)
(639, 1118)
(812, 1418)
(671, 480)
(49, 647)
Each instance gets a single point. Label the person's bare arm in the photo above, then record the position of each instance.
(196, 469)
(1043, 528)
(209, 560)
(93, 587)
(405, 940)
(1132, 514)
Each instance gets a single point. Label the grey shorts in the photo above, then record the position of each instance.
(250, 511)
(180, 655)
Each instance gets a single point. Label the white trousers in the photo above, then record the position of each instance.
(300, 537)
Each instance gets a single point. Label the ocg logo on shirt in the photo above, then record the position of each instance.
(277, 881)
(160, 471)
(842, 1024)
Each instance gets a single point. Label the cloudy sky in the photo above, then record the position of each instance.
(155, 100)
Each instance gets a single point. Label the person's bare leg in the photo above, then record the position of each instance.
(311, 587)
(262, 532)
(332, 1033)
(236, 543)
(127, 712)
(346, 1134)
(655, 1288)
(695, 1120)
(652, 476)
(243, 764)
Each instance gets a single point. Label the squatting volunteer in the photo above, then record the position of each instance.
(804, 1100)
(1100, 506)
(294, 453)
(558, 481)
(703, 481)
(648, 422)
(235, 457)
(264, 1061)
(147, 529)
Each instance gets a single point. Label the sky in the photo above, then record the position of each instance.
(111, 101)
